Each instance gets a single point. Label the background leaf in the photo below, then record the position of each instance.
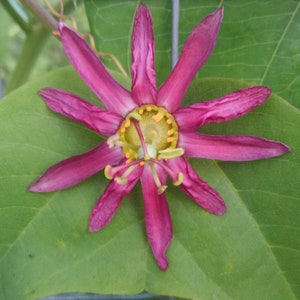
(258, 41)
(250, 253)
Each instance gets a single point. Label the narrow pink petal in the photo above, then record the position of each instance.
(222, 109)
(230, 148)
(76, 169)
(157, 217)
(195, 52)
(93, 72)
(109, 202)
(142, 69)
(69, 105)
(197, 189)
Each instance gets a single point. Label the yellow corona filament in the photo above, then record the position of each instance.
(171, 131)
(158, 117)
(127, 123)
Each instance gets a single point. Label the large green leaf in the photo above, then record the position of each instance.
(250, 253)
(258, 41)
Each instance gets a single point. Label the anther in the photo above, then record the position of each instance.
(170, 153)
(179, 180)
(169, 121)
(108, 171)
(170, 139)
(112, 140)
(148, 108)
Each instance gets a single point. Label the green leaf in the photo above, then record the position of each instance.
(252, 252)
(258, 40)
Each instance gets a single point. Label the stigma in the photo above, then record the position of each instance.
(147, 135)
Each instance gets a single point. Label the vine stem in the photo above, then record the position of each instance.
(41, 14)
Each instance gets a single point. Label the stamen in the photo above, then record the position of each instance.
(110, 171)
(112, 140)
(169, 121)
(160, 188)
(177, 178)
(123, 178)
(148, 108)
(170, 153)
(170, 139)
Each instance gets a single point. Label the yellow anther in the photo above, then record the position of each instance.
(142, 163)
(112, 140)
(107, 170)
(123, 129)
(179, 180)
(141, 111)
(169, 121)
(127, 154)
(170, 153)
(148, 108)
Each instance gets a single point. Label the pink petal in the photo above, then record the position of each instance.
(142, 69)
(230, 148)
(75, 108)
(109, 202)
(195, 52)
(76, 169)
(222, 109)
(197, 189)
(157, 216)
(94, 73)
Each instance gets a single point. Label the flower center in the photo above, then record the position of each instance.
(148, 134)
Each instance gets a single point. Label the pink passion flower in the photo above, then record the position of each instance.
(149, 136)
